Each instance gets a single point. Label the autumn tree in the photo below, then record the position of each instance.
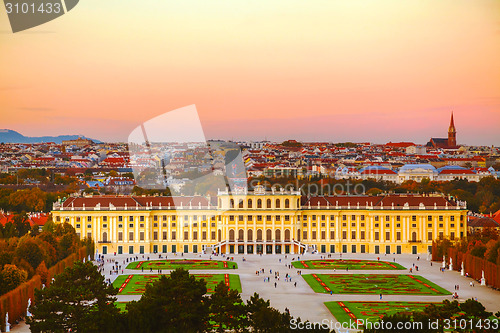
(11, 277)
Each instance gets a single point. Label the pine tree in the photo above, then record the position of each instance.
(78, 300)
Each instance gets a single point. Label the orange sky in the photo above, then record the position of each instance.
(352, 70)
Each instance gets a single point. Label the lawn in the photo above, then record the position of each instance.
(370, 311)
(385, 284)
(180, 263)
(136, 284)
(346, 264)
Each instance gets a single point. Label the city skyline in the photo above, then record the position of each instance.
(343, 71)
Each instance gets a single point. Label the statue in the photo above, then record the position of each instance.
(7, 324)
(451, 264)
(444, 261)
(483, 280)
(28, 313)
(462, 272)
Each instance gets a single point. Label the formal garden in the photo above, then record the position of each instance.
(182, 263)
(385, 284)
(346, 311)
(136, 284)
(341, 264)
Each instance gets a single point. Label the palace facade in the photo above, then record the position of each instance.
(264, 222)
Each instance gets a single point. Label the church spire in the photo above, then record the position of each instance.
(452, 133)
(452, 124)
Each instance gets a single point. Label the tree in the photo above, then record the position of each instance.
(227, 309)
(171, 304)
(11, 277)
(78, 300)
(263, 318)
(29, 250)
(21, 223)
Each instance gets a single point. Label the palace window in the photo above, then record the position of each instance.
(344, 217)
(89, 218)
(78, 226)
(414, 218)
(323, 217)
(155, 235)
(259, 217)
(353, 217)
(212, 225)
(332, 217)
(414, 225)
(120, 218)
(164, 217)
(353, 224)
(131, 219)
(362, 234)
(173, 235)
(164, 235)
(240, 217)
(332, 234)
(398, 218)
(376, 217)
(440, 218)
(164, 225)
(362, 217)
(141, 225)
(377, 236)
(398, 235)
(155, 218)
(131, 236)
(344, 234)
(332, 224)
(353, 234)
(429, 218)
(314, 235)
(452, 218)
(141, 218)
(104, 226)
(155, 225)
(141, 235)
(287, 218)
(387, 235)
(120, 236)
(323, 235)
(387, 218)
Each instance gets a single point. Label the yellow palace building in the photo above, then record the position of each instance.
(266, 222)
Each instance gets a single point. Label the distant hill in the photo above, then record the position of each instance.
(10, 136)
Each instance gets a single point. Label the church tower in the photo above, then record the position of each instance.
(452, 133)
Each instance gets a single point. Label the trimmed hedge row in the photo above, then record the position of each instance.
(475, 266)
(15, 301)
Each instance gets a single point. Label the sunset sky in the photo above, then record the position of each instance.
(353, 70)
